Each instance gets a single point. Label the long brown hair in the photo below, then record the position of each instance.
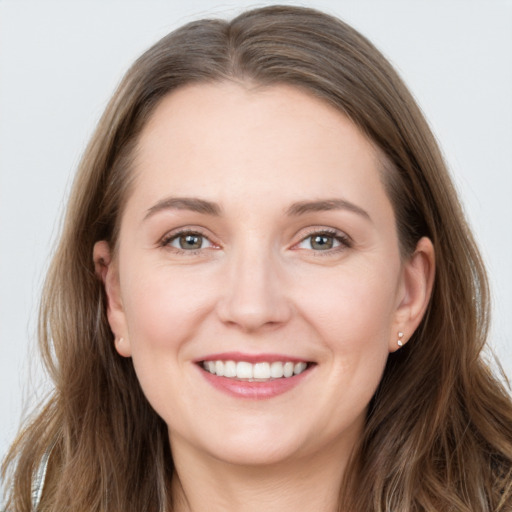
(439, 430)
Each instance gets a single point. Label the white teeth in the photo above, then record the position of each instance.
(261, 371)
(257, 371)
(299, 368)
(288, 369)
(244, 370)
(276, 370)
(219, 368)
(230, 369)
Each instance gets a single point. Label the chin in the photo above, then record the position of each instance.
(249, 447)
(252, 455)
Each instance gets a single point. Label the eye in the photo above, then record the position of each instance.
(188, 241)
(323, 241)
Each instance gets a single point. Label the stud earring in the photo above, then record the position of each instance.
(400, 342)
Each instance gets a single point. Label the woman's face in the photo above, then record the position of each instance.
(258, 241)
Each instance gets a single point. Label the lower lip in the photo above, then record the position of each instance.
(254, 390)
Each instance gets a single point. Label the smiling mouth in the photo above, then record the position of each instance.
(257, 372)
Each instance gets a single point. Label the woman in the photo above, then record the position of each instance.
(266, 295)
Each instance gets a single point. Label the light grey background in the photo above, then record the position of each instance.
(60, 61)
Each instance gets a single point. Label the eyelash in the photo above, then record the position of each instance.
(344, 241)
(170, 237)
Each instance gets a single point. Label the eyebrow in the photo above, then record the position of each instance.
(184, 203)
(303, 207)
(210, 208)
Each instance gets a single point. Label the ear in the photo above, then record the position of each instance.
(415, 290)
(106, 271)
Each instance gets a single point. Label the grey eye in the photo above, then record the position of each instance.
(320, 242)
(190, 242)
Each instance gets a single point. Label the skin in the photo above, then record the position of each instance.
(259, 284)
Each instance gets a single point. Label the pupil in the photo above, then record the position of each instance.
(191, 241)
(322, 242)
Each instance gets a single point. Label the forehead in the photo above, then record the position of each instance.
(227, 140)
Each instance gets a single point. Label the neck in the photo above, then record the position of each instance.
(309, 484)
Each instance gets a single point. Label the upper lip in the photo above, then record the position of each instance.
(251, 358)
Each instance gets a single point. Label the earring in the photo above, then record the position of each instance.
(400, 342)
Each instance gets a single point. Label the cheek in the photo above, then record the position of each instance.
(349, 315)
(162, 309)
(354, 309)
(163, 312)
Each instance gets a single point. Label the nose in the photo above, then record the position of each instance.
(254, 295)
